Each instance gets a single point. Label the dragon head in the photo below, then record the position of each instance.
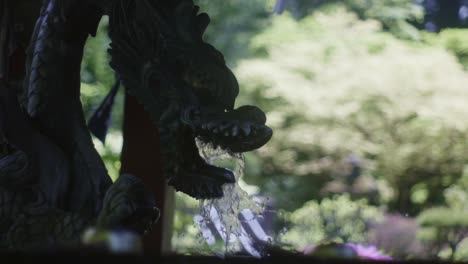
(184, 83)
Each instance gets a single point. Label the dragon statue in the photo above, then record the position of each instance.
(53, 183)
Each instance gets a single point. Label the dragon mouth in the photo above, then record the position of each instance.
(237, 131)
(235, 136)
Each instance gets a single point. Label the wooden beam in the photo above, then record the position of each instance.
(141, 157)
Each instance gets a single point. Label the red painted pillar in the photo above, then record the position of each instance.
(141, 157)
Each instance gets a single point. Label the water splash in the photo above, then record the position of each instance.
(226, 210)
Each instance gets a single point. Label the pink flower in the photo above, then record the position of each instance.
(368, 252)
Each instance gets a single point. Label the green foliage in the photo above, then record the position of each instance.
(186, 239)
(329, 93)
(395, 15)
(444, 228)
(456, 197)
(332, 220)
(438, 216)
(110, 152)
(234, 23)
(462, 251)
(454, 40)
(97, 77)
(399, 17)
(96, 73)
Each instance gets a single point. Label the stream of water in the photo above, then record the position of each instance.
(224, 212)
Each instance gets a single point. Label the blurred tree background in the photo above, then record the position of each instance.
(369, 114)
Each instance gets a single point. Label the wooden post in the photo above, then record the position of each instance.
(141, 157)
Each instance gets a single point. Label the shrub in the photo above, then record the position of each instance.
(332, 220)
(332, 86)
